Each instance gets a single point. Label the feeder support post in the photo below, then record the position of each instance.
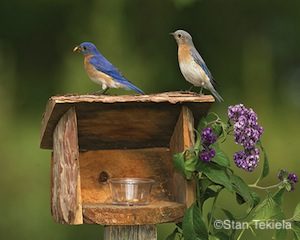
(134, 232)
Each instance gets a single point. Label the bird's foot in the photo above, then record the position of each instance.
(100, 92)
(201, 92)
(96, 93)
(184, 91)
(188, 90)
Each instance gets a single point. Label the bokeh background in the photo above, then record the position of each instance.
(251, 47)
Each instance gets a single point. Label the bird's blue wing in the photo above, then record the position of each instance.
(103, 65)
(199, 60)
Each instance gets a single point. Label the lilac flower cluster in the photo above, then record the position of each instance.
(247, 159)
(292, 178)
(246, 129)
(208, 137)
(247, 133)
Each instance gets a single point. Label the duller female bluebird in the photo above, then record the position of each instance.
(101, 71)
(191, 64)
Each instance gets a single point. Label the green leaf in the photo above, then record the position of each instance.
(209, 121)
(209, 193)
(239, 199)
(217, 129)
(197, 145)
(221, 236)
(211, 237)
(220, 157)
(243, 192)
(256, 201)
(178, 160)
(281, 234)
(267, 209)
(204, 183)
(230, 217)
(215, 173)
(224, 133)
(173, 235)
(278, 196)
(228, 214)
(179, 225)
(185, 163)
(202, 124)
(296, 215)
(209, 216)
(266, 168)
(193, 224)
(204, 191)
(191, 161)
(296, 230)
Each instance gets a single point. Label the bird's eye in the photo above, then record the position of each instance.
(84, 48)
(179, 35)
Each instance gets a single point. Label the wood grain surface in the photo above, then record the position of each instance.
(65, 180)
(115, 122)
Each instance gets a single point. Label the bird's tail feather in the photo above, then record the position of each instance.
(216, 95)
(130, 86)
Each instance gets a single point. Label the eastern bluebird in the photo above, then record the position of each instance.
(191, 64)
(101, 71)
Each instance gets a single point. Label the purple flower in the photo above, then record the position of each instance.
(208, 137)
(247, 159)
(293, 178)
(207, 154)
(234, 112)
(247, 133)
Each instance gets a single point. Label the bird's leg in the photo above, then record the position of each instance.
(101, 92)
(104, 91)
(201, 91)
(190, 89)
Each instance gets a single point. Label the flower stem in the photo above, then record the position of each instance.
(198, 192)
(264, 188)
(213, 208)
(241, 233)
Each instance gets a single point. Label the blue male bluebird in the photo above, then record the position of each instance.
(191, 64)
(101, 71)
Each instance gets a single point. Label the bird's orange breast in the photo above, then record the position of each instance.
(96, 75)
(184, 53)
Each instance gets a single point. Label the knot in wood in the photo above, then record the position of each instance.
(103, 177)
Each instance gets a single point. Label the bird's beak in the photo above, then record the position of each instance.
(171, 33)
(77, 49)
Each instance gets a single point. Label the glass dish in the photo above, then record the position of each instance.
(130, 191)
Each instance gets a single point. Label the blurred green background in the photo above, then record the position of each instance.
(251, 47)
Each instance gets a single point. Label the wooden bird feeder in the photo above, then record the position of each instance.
(94, 138)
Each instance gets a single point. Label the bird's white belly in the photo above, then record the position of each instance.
(105, 82)
(101, 78)
(193, 73)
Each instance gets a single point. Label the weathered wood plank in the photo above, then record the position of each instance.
(154, 213)
(183, 138)
(172, 97)
(65, 180)
(154, 163)
(122, 121)
(125, 125)
(142, 232)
